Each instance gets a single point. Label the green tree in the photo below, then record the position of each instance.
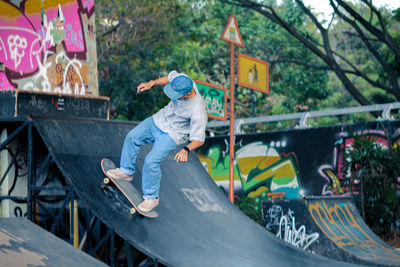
(292, 87)
(133, 38)
(376, 170)
(134, 50)
(376, 30)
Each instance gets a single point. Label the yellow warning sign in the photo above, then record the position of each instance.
(231, 33)
(253, 73)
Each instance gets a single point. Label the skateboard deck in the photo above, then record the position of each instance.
(126, 188)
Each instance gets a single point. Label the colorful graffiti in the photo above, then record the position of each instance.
(340, 223)
(337, 181)
(48, 46)
(292, 163)
(260, 171)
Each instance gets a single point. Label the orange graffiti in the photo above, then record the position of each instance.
(340, 225)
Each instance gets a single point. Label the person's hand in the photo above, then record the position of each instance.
(145, 86)
(181, 156)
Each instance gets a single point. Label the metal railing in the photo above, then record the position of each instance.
(304, 116)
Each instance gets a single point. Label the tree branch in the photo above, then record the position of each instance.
(392, 74)
(109, 31)
(383, 35)
(327, 57)
(297, 62)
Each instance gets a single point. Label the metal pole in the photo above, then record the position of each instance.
(30, 171)
(232, 126)
(253, 109)
(71, 219)
(76, 224)
(112, 248)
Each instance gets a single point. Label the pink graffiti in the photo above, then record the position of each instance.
(74, 41)
(348, 143)
(18, 42)
(339, 159)
(24, 38)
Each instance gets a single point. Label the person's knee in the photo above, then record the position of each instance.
(152, 162)
(132, 138)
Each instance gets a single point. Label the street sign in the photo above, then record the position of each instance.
(216, 99)
(253, 73)
(231, 33)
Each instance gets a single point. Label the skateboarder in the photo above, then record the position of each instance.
(183, 119)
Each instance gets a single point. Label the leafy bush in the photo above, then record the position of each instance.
(376, 169)
(249, 207)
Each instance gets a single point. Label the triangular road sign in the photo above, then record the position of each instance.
(231, 33)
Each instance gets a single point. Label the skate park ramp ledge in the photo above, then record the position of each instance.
(196, 226)
(23, 243)
(331, 227)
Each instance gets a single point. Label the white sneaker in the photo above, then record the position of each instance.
(148, 204)
(120, 175)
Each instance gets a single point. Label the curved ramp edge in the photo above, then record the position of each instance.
(340, 221)
(328, 226)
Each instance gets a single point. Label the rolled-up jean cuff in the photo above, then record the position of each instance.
(150, 197)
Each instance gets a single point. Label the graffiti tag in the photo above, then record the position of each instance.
(286, 224)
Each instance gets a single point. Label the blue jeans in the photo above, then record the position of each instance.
(146, 132)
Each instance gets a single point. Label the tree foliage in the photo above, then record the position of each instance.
(133, 40)
(149, 46)
(142, 40)
(375, 169)
(366, 26)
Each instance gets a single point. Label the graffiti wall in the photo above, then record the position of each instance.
(327, 226)
(293, 163)
(281, 220)
(340, 222)
(48, 46)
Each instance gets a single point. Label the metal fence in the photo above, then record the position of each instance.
(302, 117)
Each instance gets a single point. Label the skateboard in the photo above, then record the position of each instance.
(126, 188)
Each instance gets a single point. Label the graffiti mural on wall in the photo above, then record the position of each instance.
(285, 226)
(291, 163)
(48, 46)
(261, 172)
(341, 224)
(337, 182)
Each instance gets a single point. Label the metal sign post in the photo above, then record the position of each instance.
(232, 127)
(232, 35)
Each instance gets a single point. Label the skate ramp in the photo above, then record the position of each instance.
(330, 227)
(23, 243)
(197, 225)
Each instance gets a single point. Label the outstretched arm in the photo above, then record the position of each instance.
(146, 86)
(182, 155)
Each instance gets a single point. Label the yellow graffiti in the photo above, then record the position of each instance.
(338, 224)
(8, 11)
(284, 169)
(335, 187)
(208, 163)
(260, 168)
(33, 6)
(258, 192)
(396, 144)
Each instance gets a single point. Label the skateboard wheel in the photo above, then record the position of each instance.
(106, 180)
(133, 211)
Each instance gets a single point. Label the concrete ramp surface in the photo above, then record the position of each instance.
(197, 225)
(23, 243)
